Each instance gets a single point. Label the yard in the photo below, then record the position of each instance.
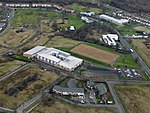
(135, 98)
(62, 107)
(44, 79)
(142, 50)
(95, 53)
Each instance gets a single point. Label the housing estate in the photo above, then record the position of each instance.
(54, 57)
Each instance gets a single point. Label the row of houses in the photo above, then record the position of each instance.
(133, 18)
(87, 13)
(54, 57)
(114, 20)
(68, 91)
(39, 5)
(110, 39)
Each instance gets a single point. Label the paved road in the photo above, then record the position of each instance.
(9, 20)
(29, 102)
(131, 82)
(134, 54)
(116, 98)
(6, 110)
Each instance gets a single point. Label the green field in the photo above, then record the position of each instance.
(73, 21)
(125, 30)
(79, 8)
(126, 61)
(25, 16)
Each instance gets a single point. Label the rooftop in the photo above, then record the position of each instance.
(72, 90)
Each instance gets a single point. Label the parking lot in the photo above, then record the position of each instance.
(129, 73)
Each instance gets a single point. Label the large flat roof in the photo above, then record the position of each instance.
(71, 62)
(50, 57)
(35, 50)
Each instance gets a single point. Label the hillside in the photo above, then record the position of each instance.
(135, 6)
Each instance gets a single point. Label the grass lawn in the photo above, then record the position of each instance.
(135, 98)
(9, 66)
(44, 79)
(126, 61)
(143, 29)
(142, 50)
(62, 107)
(80, 8)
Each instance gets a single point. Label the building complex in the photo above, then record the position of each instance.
(54, 57)
(110, 39)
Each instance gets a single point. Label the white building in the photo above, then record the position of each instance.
(87, 13)
(17, 5)
(114, 20)
(86, 19)
(110, 39)
(72, 28)
(68, 91)
(41, 5)
(54, 57)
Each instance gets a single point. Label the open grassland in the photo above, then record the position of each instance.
(12, 39)
(143, 29)
(80, 8)
(125, 30)
(94, 53)
(135, 98)
(44, 79)
(73, 21)
(142, 50)
(62, 107)
(56, 42)
(9, 66)
(126, 61)
(61, 42)
(25, 16)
